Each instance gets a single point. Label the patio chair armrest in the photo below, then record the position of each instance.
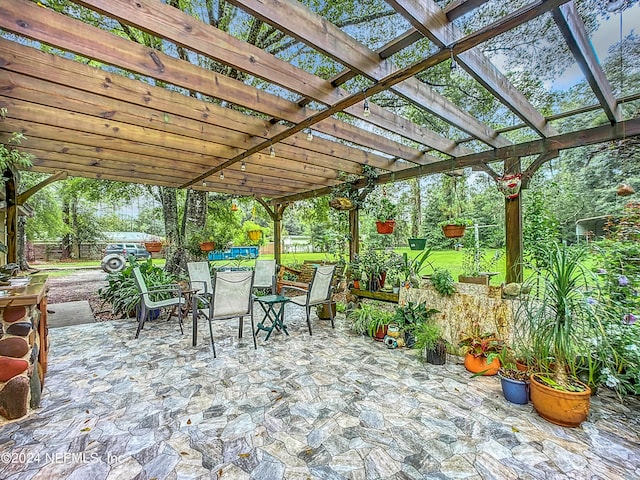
(290, 287)
(171, 288)
(195, 285)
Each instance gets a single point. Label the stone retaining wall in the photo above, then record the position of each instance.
(472, 303)
(21, 372)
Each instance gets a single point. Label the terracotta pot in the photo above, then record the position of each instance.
(153, 247)
(453, 231)
(379, 335)
(523, 367)
(479, 364)
(323, 311)
(386, 228)
(207, 246)
(568, 409)
(356, 284)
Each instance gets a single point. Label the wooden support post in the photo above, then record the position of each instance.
(276, 214)
(277, 233)
(354, 233)
(12, 216)
(513, 228)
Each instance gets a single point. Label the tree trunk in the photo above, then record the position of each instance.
(22, 243)
(416, 210)
(66, 239)
(196, 209)
(175, 255)
(75, 244)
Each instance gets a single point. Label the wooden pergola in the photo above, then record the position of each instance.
(148, 117)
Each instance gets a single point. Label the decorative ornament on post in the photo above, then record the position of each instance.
(509, 185)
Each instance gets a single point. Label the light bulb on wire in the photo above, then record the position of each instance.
(453, 66)
(272, 151)
(366, 111)
(309, 134)
(204, 183)
(243, 166)
(221, 174)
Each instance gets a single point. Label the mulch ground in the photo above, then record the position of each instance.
(80, 285)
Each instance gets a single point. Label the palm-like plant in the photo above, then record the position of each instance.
(561, 319)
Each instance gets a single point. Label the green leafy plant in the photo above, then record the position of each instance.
(475, 261)
(460, 221)
(481, 344)
(564, 318)
(443, 282)
(427, 336)
(413, 268)
(368, 318)
(122, 292)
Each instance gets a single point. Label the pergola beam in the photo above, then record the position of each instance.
(428, 18)
(572, 28)
(591, 136)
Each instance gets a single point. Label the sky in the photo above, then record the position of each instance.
(607, 34)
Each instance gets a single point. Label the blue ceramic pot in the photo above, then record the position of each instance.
(515, 391)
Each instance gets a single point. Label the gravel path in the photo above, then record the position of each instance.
(80, 285)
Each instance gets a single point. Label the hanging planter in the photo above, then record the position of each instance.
(417, 243)
(341, 203)
(509, 185)
(207, 246)
(453, 231)
(624, 190)
(153, 247)
(386, 228)
(254, 234)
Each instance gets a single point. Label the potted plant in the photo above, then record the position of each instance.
(482, 350)
(417, 243)
(385, 213)
(409, 316)
(443, 282)
(373, 265)
(476, 267)
(563, 324)
(413, 268)
(370, 320)
(253, 231)
(513, 381)
(428, 339)
(455, 227)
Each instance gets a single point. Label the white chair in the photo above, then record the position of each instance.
(232, 297)
(200, 278)
(318, 293)
(176, 300)
(265, 275)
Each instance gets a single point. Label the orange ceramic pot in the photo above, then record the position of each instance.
(453, 231)
(568, 409)
(479, 364)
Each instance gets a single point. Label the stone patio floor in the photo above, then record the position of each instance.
(330, 406)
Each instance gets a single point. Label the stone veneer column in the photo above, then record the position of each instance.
(21, 374)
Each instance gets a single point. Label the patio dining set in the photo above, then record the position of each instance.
(229, 294)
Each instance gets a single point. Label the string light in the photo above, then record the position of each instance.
(221, 174)
(309, 134)
(366, 111)
(272, 151)
(453, 66)
(243, 166)
(204, 183)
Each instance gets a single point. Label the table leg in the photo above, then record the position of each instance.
(194, 310)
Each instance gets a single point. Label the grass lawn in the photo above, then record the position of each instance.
(449, 259)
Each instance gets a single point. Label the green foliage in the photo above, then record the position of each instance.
(122, 292)
(541, 229)
(443, 282)
(412, 314)
(427, 335)
(10, 156)
(368, 318)
(475, 261)
(564, 317)
(481, 344)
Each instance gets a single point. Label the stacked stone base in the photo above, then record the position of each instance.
(21, 372)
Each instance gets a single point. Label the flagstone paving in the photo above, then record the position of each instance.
(330, 406)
